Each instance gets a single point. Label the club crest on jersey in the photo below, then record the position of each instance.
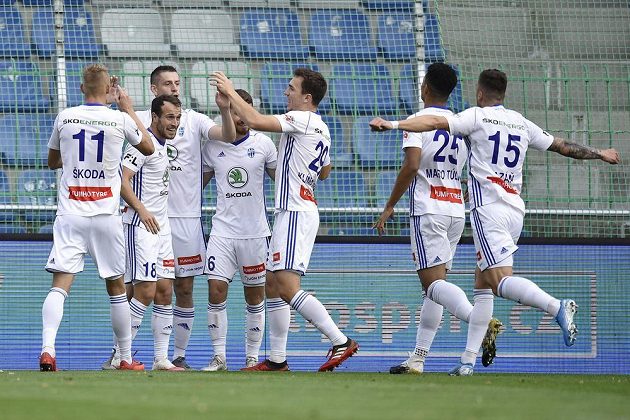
(251, 152)
(237, 177)
(171, 152)
(180, 130)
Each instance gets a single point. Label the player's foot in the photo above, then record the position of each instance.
(181, 362)
(338, 354)
(488, 345)
(251, 361)
(47, 363)
(568, 309)
(165, 364)
(113, 362)
(217, 363)
(414, 364)
(463, 369)
(268, 366)
(134, 365)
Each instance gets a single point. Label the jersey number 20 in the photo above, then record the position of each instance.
(319, 160)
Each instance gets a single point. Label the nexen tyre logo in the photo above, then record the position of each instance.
(237, 177)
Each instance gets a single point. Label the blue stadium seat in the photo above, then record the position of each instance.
(408, 93)
(396, 36)
(392, 5)
(24, 138)
(433, 50)
(12, 40)
(11, 228)
(79, 37)
(342, 189)
(272, 34)
(456, 101)
(37, 187)
(384, 182)
(50, 2)
(341, 34)
(274, 80)
(362, 89)
(341, 153)
(74, 71)
(21, 87)
(376, 150)
(45, 229)
(5, 197)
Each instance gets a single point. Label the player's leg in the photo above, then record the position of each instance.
(52, 313)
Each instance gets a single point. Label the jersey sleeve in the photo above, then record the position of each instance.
(53, 142)
(412, 139)
(206, 160)
(539, 139)
(271, 158)
(132, 133)
(203, 123)
(464, 123)
(133, 159)
(294, 122)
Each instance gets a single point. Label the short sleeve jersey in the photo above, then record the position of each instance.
(90, 138)
(498, 140)
(150, 183)
(184, 152)
(437, 188)
(302, 152)
(239, 172)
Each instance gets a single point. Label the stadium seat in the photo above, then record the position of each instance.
(342, 189)
(239, 72)
(341, 153)
(396, 36)
(50, 2)
(78, 33)
(24, 138)
(135, 77)
(272, 34)
(133, 33)
(37, 187)
(12, 229)
(74, 71)
(338, 4)
(384, 182)
(21, 87)
(13, 42)
(176, 4)
(362, 89)
(352, 231)
(213, 34)
(259, 3)
(341, 35)
(122, 3)
(408, 92)
(274, 80)
(456, 101)
(5, 197)
(386, 5)
(376, 150)
(433, 50)
(45, 229)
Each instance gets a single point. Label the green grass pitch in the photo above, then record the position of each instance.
(255, 395)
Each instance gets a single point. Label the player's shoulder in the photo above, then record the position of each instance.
(432, 110)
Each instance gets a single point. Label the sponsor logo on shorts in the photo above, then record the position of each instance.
(405, 136)
(254, 269)
(450, 195)
(478, 256)
(276, 256)
(503, 250)
(307, 194)
(89, 193)
(237, 177)
(169, 263)
(503, 184)
(194, 259)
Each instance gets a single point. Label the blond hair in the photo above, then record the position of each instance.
(95, 79)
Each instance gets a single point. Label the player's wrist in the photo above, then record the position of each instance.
(394, 124)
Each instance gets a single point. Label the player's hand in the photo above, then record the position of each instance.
(223, 84)
(112, 95)
(379, 124)
(124, 100)
(379, 225)
(610, 156)
(149, 221)
(222, 101)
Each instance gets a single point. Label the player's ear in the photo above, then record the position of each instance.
(154, 90)
(82, 89)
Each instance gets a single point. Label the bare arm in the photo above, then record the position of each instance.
(578, 151)
(226, 131)
(125, 105)
(126, 192)
(207, 176)
(272, 173)
(54, 159)
(325, 172)
(414, 125)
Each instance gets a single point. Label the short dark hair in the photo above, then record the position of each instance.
(158, 103)
(245, 96)
(159, 70)
(313, 83)
(442, 79)
(493, 82)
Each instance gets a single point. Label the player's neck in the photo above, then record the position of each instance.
(307, 108)
(102, 100)
(429, 103)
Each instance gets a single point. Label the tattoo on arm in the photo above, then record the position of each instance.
(573, 150)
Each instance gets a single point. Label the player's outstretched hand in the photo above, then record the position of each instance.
(223, 84)
(379, 225)
(124, 100)
(149, 221)
(222, 101)
(610, 156)
(379, 124)
(112, 95)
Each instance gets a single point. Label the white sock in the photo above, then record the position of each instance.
(121, 324)
(182, 324)
(313, 311)
(137, 310)
(218, 326)
(279, 316)
(52, 313)
(430, 317)
(478, 323)
(451, 297)
(255, 324)
(162, 326)
(526, 292)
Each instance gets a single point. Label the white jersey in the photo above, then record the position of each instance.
(184, 152)
(437, 188)
(150, 184)
(498, 140)
(90, 138)
(303, 151)
(239, 172)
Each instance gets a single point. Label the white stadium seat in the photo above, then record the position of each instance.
(133, 33)
(204, 33)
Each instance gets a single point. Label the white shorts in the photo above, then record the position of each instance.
(189, 246)
(434, 239)
(149, 256)
(292, 240)
(226, 256)
(100, 236)
(496, 228)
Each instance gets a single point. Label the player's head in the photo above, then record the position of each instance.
(491, 87)
(439, 82)
(239, 124)
(305, 90)
(165, 81)
(166, 111)
(95, 81)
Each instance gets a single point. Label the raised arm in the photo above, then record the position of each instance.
(414, 125)
(123, 100)
(226, 131)
(578, 151)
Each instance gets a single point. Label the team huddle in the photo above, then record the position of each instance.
(156, 246)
